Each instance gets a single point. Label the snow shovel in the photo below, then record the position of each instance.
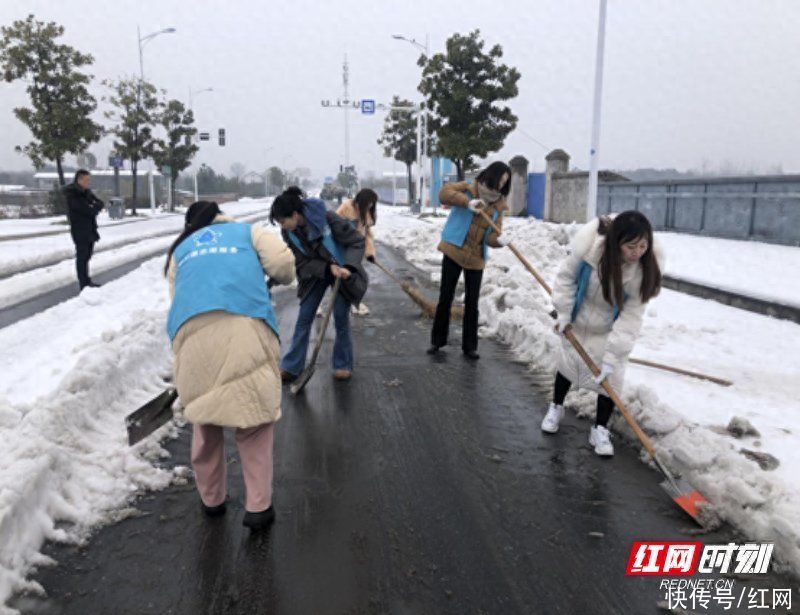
(151, 416)
(428, 306)
(684, 495)
(303, 379)
(546, 286)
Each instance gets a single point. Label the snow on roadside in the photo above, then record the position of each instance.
(684, 416)
(66, 466)
(23, 286)
(21, 255)
(763, 270)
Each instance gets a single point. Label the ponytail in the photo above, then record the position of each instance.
(199, 215)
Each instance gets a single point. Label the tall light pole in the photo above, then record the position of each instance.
(422, 120)
(192, 94)
(143, 40)
(591, 201)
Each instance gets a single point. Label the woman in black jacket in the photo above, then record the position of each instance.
(326, 247)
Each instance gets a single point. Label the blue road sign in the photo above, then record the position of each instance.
(368, 107)
(115, 162)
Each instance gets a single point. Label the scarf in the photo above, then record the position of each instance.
(487, 195)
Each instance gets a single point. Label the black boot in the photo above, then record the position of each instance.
(433, 349)
(259, 520)
(213, 511)
(472, 355)
(93, 285)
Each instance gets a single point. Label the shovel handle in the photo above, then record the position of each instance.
(643, 437)
(517, 253)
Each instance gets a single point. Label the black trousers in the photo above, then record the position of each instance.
(451, 271)
(604, 404)
(83, 252)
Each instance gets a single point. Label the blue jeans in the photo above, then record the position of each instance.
(294, 361)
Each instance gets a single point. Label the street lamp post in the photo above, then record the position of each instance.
(192, 94)
(142, 41)
(422, 121)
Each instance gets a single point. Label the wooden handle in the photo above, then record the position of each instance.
(683, 372)
(517, 253)
(645, 439)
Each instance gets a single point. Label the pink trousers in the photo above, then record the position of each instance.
(255, 453)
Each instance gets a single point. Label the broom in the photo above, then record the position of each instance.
(428, 306)
(684, 495)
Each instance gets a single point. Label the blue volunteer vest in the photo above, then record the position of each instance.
(219, 269)
(584, 273)
(333, 248)
(457, 226)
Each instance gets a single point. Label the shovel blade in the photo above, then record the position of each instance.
(687, 497)
(302, 380)
(150, 417)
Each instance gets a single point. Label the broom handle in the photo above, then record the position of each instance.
(682, 372)
(646, 442)
(529, 267)
(386, 271)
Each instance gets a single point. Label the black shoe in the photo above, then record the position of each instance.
(433, 349)
(93, 285)
(259, 520)
(472, 355)
(213, 511)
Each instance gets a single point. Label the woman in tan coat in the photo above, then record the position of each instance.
(362, 212)
(465, 238)
(225, 337)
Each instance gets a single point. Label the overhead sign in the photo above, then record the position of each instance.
(204, 136)
(368, 107)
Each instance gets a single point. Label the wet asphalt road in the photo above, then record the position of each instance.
(424, 485)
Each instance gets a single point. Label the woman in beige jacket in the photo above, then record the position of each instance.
(225, 337)
(362, 212)
(466, 238)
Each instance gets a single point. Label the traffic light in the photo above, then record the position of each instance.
(222, 137)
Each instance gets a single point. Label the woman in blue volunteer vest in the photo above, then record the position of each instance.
(225, 338)
(465, 240)
(325, 247)
(601, 291)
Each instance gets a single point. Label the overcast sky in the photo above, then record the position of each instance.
(686, 81)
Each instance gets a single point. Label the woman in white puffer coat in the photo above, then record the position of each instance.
(613, 262)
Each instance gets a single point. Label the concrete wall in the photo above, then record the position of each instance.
(568, 197)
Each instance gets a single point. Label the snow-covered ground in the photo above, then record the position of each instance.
(24, 254)
(134, 245)
(685, 416)
(68, 377)
(762, 270)
(58, 224)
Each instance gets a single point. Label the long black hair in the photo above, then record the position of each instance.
(199, 215)
(287, 204)
(627, 226)
(491, 176)
(367, 204)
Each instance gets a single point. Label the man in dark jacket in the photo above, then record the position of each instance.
(82, 209)
(325, 247)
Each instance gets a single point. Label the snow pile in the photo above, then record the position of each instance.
(685, 417)
(66, 466)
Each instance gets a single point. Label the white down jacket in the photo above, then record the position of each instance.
(606, 340)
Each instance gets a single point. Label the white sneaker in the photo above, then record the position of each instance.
(361, 310)
(552, 418)
(600, 439)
